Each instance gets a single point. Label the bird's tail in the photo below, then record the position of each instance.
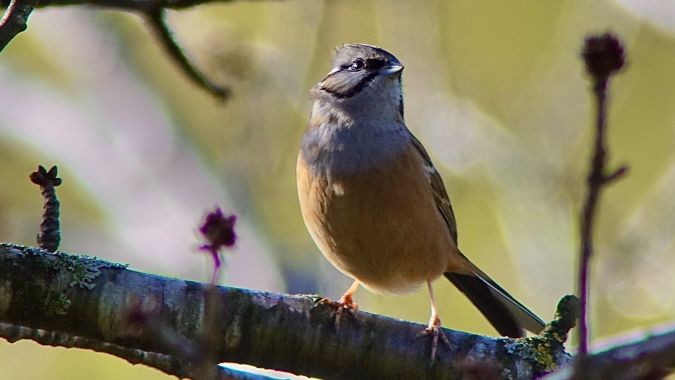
(503, 312)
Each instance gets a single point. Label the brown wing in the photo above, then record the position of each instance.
(440, 194)
(503, 311)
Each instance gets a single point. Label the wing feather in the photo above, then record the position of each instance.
(440, 194)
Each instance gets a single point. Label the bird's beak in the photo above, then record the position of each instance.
(392, 68)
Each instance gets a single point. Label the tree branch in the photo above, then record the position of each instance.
(92, 299)
(164, 363)
(129, 5)
(15, 20)
(628, 359)
(156, 21)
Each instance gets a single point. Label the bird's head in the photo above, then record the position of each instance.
(364, 80)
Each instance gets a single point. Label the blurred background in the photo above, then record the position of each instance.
(495, 90)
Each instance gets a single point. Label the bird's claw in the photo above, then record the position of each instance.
(345, 304)
(434, 329)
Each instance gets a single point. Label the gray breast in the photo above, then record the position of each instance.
(337, 150)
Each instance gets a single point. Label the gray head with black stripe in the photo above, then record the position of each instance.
(364, 79)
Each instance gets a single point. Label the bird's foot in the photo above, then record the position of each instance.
(436, 332)
(345, 305)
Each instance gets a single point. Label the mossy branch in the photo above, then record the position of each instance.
(93, 300)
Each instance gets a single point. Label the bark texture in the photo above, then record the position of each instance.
(102, 302)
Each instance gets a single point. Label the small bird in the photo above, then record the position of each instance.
(374, 203)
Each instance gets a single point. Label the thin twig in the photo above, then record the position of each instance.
(16, 16)
(156, 21)
(131, 5)
(15, 19)
(603, 56)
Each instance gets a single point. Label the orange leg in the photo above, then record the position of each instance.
(346, 300)
(434, 327)
(347, 303)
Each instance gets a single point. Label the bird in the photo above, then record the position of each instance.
(374, 203)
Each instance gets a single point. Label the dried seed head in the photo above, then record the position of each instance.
(603, 55)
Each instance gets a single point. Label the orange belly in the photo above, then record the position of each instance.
(380, 226)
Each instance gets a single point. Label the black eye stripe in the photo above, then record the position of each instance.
(354, 90)
(370, 64)
(374, 63)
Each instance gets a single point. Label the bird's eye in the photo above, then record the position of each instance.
(357, 64)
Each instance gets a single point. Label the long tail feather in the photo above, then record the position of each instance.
(503, 312)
